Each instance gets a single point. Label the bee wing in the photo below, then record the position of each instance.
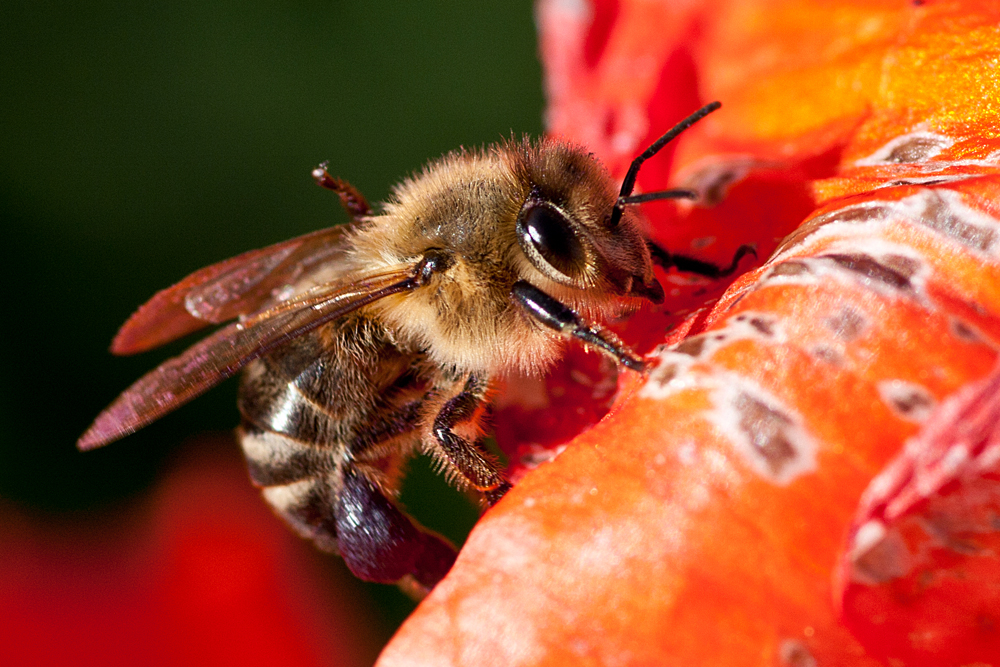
(226, 290)
(206, 364)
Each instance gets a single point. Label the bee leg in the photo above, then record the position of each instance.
(493, 496)
(379, 542)
(562, 318)
(697, 266)
(471, 462)
(353, 201)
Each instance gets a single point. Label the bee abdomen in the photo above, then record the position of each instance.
(342, 510)
(276, 459)
(308, 506)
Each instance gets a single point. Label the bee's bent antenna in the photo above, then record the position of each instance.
(628, 184)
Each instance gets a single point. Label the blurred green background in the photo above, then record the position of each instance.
(142, 141)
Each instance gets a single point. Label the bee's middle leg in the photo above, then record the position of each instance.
(467, 456)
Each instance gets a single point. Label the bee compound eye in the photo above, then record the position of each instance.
(547, 235)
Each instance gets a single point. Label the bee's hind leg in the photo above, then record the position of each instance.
(350, 198)
(382, 544)
(466, 456)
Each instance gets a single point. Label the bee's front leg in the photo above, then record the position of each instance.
(662, 257)
(560, 317)
(465, 455)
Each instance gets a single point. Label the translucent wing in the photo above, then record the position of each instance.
(223, 291)
(222, 354)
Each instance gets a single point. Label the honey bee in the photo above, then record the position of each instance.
(362, 344)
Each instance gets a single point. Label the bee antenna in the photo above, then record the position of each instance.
(628, 184)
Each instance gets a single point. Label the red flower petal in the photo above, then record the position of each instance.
(701, 522)
(919, 580)
(204, 576)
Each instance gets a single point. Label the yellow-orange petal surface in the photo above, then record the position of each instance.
(703, 521)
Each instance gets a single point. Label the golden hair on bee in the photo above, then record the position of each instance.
(362, 344)
(469, 202)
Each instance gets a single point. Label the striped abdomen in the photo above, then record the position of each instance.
(328, 421)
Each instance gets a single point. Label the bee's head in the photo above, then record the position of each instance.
(567, 231)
